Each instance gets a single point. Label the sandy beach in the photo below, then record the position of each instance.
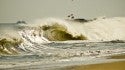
(118, 65)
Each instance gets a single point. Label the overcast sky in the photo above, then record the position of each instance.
(13, 10)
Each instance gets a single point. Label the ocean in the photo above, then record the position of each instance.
(51, 43)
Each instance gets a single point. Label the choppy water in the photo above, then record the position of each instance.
(72, 54)
(55, 42)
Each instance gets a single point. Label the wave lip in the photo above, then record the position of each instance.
(58, 32)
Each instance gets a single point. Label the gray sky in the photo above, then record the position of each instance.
(13, 10)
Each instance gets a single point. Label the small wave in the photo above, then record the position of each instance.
(9, 46)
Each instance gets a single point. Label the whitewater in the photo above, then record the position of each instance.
(54, 40)
(105, 29)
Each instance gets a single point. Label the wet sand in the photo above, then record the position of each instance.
(122, 56)
(118, 65)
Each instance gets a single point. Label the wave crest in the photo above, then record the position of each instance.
(105, 29)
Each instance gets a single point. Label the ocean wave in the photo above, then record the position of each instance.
(105, 29)
(9, 46)
(53, 30)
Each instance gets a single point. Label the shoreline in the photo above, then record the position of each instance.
(115, 65)
(88, 64)
(118, 65)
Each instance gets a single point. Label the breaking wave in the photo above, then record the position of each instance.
(34, 36)
(103, 29)
(9, 46)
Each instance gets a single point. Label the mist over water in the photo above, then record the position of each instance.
(44, 44)
(54, 29)
(60, 40)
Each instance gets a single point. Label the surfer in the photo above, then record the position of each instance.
(71, 16)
